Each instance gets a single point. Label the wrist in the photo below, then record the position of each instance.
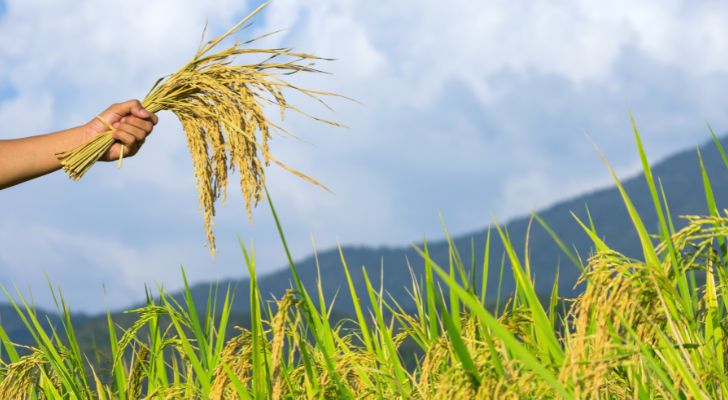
(89, 130)
(78, 135)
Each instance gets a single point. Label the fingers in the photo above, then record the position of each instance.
(141, 113)
(132, 124)
(115, 149)
(124, 137)
(138, 133)
(144, 125)
(130, 135)
(128, 107)
(132, 131)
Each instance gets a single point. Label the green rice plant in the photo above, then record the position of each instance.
(641, 328)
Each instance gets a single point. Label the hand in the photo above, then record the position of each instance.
(132, 124)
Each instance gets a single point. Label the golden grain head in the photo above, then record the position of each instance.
(221, 106)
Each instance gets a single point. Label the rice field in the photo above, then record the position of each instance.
(652, 328)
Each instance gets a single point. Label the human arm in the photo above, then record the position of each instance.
(27, 158)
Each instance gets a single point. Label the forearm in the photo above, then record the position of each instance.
(28, 158)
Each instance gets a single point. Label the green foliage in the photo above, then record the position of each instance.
(650, 328)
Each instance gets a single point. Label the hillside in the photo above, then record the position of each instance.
(679, 173)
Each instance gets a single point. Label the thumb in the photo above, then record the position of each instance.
(123, 109)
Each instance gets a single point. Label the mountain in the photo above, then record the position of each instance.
(14, 327)
(680, 175)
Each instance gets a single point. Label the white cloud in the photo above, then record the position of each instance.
(470, 108)
(27, 113)
(92, 266)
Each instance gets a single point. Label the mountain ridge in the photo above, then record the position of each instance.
(680, 173)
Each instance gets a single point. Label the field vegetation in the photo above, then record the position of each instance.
(653, 327)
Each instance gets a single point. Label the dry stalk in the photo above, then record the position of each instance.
(221, 108)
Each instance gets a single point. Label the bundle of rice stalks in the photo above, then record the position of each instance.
(221, 108)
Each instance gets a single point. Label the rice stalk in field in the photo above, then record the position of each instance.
(21, 375)
(651, 328)
(137, 373)
(235, 359)
(626, 336)
(221, 106)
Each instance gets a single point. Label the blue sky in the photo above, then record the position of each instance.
(470, 109)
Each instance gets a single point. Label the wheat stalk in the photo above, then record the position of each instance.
(221, 108)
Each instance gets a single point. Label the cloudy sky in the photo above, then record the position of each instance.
(469, 108)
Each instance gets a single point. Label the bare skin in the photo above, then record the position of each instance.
(28, 158)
